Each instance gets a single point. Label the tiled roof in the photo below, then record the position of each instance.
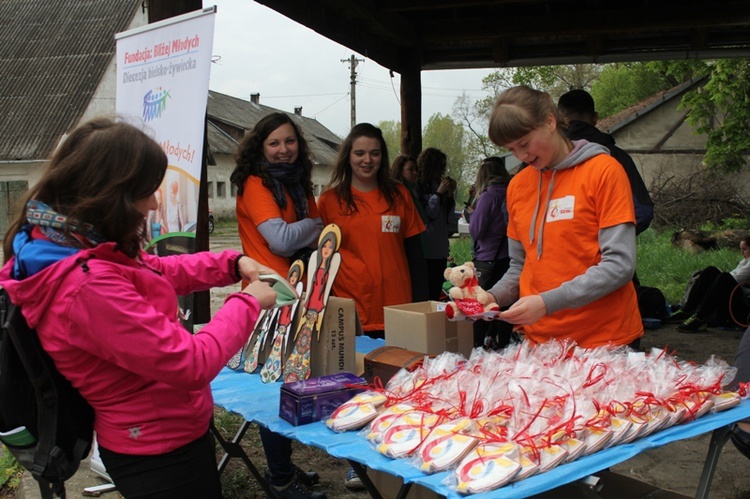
(613, 123)
(243, 114)
(53, 55)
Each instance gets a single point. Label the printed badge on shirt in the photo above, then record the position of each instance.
(390, 223)
(561, 209)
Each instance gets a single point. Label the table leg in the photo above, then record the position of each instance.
(233, 449)
(719, 437)
(371, 489)
(403, 491)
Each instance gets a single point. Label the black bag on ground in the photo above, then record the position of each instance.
(44, 422)
(651, 302)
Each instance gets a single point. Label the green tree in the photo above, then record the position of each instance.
(392, 135)
(621, 85)
(469, 114)
(721, 110)
(555, 80)
(442, 132)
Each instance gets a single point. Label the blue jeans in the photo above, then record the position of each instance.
(278, 450)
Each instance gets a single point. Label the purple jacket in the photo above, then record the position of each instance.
(110, 323)
(488, 223)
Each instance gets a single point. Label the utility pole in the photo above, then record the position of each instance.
(353, 62)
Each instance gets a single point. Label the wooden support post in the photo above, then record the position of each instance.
(411, 107)
(164, 9)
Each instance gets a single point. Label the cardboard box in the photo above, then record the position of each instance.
(334, 351)
(384, 362)
(314, 399)
(390, 486)
(423, 327)
(613, 486)
(359, 364)
(610, 485)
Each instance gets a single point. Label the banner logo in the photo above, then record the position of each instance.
(154, 102)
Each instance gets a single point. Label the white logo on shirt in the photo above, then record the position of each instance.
(390, 223)
(561, 209)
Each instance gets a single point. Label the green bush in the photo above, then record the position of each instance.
(10, 470)
(660, 264)
(460, 249)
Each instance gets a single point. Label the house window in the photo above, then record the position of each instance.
(221, 189)
(233, 190)
(210, 189)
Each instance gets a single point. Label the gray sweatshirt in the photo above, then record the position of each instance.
(617, 245)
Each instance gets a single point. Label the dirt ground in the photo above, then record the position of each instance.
(675, 467)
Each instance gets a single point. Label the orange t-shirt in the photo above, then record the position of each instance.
(590, 196)
(374, 271)
(257, 205)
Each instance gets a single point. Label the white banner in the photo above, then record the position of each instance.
(162, 86)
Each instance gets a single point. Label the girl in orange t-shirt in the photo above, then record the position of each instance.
(276, 211)
(571, 231)
(381, 250)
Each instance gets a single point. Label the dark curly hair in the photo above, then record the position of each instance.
(251, 160)
(431, 166)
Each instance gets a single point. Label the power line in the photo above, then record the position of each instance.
(330, 105)
(300, 95)
(398, 99)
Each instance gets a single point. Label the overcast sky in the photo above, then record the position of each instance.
(261, 51)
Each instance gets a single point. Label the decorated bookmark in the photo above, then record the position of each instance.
(238, 359)
(271, 370)
(251, 360)
(323, 267)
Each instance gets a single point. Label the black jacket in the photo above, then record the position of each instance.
(644, 206)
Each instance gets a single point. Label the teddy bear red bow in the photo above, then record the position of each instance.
(469, 299)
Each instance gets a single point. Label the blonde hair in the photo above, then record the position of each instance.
(518, 111)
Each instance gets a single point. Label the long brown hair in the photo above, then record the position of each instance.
(397, 168)
(251, 159)
(95, 177)
(341, 178)
(491, 171)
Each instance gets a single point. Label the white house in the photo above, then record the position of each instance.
(229, 118)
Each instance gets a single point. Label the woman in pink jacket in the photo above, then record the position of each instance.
(106, 312)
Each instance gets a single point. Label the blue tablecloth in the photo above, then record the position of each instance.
(246, 395)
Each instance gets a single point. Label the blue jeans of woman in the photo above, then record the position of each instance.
(278, 450)
(496, 333)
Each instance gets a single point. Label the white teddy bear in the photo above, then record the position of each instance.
(468, 297)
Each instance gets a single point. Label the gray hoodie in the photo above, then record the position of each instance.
(617, 245)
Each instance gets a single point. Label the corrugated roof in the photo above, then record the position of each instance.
(53, 55)
(244, 114)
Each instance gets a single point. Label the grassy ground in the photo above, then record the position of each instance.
(659, 263)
